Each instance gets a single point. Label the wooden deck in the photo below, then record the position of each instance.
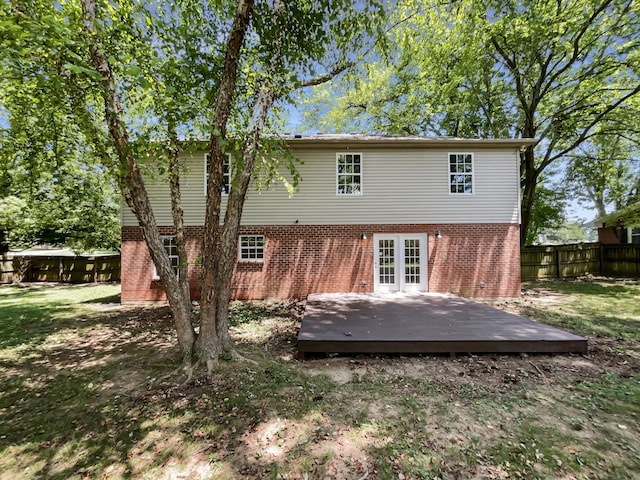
(423, 323)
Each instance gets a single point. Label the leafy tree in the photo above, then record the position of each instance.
(14, 222)
(605, 172)
(568, 232)
(559, 71)
(67, 198)
(137, 77)
(548, 214)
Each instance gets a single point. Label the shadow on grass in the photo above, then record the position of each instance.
(71, 408)
(24, 322)
(107, 299)
(86, 402)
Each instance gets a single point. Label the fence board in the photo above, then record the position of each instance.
(565, 261)
(6, 269)
(622, 260)
(78, 269)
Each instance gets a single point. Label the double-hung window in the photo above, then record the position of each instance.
(461, 173)
(226, 174)
(251, 248)
(349, 173)
(169, 243)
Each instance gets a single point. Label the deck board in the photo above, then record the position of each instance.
(423, 323)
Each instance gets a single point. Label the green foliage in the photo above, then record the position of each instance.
(548, 212)
(605, 172)
(568, 232)
(47, 159)
(166, 59)
(559, 71)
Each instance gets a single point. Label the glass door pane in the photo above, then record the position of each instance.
(386, 262)
(412, 260)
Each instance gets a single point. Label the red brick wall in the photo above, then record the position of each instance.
(608, 236)
(472, 260)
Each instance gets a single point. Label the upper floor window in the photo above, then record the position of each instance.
(349, 173)
(251, 248)
(169, 243)
(226, 174)
(461, 173)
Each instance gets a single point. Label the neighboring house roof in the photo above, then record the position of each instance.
(448, 142)
(629, 215)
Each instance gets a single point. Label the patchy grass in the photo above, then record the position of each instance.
(607, 308)
(85, 395)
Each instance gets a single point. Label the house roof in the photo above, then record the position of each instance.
(389, 140)
(629, 215)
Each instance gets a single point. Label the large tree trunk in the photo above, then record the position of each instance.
(132, 185)
(210, 344)
(529, 184)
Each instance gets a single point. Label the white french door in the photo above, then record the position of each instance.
(400, 262)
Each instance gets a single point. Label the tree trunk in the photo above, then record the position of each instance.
(178, 218)
(210, 344)
(132, 185)
(600, 208)
(529, 184)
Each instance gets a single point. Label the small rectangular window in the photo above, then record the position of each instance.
(226, 174)
(349, 173)
(251, 248)
(461, 173)
(169, 243)
(635, 235)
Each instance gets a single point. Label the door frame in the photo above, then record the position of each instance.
(400, 285)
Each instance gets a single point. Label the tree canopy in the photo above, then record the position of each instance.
(142, 80)
(564, 72)
(65, 194)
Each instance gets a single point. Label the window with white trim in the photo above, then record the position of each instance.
(251, 248)
(635, 235)
(226, 174)
(169, 244)
(461, 173)
(349, 173)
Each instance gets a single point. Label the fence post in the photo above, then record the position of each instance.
(601, 255)
(558, 274)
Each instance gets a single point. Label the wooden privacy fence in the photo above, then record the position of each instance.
(68, 269)
(563, 261)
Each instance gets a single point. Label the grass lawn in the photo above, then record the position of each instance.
(89, 390)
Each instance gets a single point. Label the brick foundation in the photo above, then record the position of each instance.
(471, 260)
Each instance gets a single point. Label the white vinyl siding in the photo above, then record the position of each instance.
(403, 185)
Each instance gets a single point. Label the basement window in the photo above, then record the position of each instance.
(251, 248)
(169, 243)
